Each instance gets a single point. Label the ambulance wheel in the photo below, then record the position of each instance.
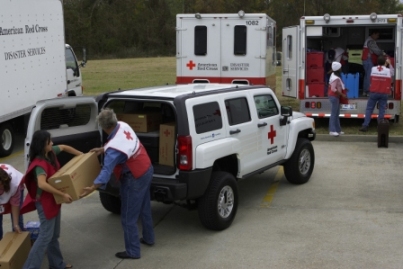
(110, 203)
(217, 208)
(299, 167)
(6, 139)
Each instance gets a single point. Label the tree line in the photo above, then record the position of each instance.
(141, 28)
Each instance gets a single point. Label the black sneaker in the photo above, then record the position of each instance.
(364, 129)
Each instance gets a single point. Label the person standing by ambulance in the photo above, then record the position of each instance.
(126, 157)
(11, 197)
(380, 87)
(369, 57)
(335, 88)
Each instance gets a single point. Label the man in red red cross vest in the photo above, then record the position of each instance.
(380, 88)
(127, 159)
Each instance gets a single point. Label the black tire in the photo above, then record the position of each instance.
(299, 167)
(6, 139)
(110, 203)
(217, 208)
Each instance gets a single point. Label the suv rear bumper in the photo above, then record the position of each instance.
(188, 185)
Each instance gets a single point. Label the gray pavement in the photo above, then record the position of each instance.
(349, 215)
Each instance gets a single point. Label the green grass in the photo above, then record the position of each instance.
(108, 75)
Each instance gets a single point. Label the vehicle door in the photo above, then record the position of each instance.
(290, 61)
(74, 80)
(271, 135)
(70, 121)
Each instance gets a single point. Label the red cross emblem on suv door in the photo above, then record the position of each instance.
(272, 134)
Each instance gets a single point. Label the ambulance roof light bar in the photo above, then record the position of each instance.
(373, 16)
(326, 17)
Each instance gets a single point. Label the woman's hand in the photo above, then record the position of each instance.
(67, 198)
(17, 228)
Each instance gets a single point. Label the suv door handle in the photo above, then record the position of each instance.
(262, 124)
(234, 131)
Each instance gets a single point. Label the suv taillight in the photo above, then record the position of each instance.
(185, 153)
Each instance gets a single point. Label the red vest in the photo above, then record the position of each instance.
(380, 80)
(50, 208)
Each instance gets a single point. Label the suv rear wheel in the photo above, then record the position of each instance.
(299, 167)
(110, 202)
(217, 208)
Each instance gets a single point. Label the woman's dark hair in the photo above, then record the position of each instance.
(5, 180)
(40, 140)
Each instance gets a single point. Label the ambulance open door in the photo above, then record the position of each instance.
(290, 61)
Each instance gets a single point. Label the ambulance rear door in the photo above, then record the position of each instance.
(243, 48)
(290, 49)
(198, 53)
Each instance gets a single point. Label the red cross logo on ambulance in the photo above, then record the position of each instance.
(191, 65)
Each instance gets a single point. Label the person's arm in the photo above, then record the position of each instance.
(374, 48)
(69, 149)
(112, 158)
(98, 151)
(45, 186)
(15, 214)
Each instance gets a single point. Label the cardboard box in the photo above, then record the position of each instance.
(167, 144)
(14, 250)
(142, 123)
(78, 173)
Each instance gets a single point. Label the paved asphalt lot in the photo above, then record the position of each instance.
(349, 215)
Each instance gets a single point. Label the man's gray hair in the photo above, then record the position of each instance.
(107, 119)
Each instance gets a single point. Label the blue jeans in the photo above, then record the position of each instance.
(334, 121)
(367, 64)
(374, 98)
(46, 243)
(136, 203)
(20, 218)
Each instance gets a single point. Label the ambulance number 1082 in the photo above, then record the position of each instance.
(252, 22)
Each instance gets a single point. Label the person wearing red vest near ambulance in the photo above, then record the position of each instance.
(335, 88)
(11, 197)
(43, 164)
(128, 160)
(369, 57)
(381, 80)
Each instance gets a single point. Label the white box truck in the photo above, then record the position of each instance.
(306, 50)
(35, 62)
(238, 48)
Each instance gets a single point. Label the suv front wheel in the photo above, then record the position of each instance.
(217, 208)
(299, 167)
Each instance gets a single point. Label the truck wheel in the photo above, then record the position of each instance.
(7, 139)
(299, 167)
(217, 208)
(110, 202)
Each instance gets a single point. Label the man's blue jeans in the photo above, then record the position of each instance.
(382, 100)
(46, 243)
(135, 197)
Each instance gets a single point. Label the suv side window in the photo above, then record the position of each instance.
(265, 106)
(207, 117)
(237, 110)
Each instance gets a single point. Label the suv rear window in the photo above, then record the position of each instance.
(207, 117)
(55, 118)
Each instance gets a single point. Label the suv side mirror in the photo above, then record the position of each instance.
(286, 112)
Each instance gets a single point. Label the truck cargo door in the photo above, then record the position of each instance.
(290, 61)
(69, 120)
(198, 53)
(243, 49)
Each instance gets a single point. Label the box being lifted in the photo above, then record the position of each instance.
(78, 173)
(14, 250)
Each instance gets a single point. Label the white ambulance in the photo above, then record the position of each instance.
(35, 62)
(307, 50)
(226, 48)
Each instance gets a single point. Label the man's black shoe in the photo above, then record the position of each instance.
(146, 243)
(363, 129)
(123, 255)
